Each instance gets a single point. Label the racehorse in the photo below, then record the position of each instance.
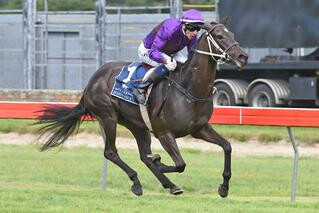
(177, 106)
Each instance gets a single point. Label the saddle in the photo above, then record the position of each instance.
(128, 79)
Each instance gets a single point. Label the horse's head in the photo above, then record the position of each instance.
(222, 45)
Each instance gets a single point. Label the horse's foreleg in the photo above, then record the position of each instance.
(161, 166)
(208, 134)
(169, 144)
(108, 129)
(143, 139)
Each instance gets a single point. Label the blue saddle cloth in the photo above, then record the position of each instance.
(128, 79)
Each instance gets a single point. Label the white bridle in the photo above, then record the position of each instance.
(223, 56)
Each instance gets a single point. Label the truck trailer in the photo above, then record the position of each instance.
(282, 40)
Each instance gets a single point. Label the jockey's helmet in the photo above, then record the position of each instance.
(192, 16)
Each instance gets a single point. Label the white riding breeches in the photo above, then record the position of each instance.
(144, 57)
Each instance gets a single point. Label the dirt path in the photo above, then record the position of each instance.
(248, 148)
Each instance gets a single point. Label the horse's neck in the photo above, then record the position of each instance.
(199, 72)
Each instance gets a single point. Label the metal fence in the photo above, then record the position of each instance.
(124, 32)
(11, 49)
(65, 50)
(61, 50)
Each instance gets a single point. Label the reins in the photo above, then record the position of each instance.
(190, 97)
(223, 56)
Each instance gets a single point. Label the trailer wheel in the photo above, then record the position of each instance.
(224, 95)
(261, 96)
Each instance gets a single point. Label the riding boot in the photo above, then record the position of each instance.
(152, 78)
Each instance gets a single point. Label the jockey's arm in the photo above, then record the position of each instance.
(154, 52)
(159, 42)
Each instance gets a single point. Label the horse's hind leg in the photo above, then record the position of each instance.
(208, 134)
(108, 128)
(143, 139)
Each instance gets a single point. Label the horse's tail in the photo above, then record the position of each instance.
(59, 123)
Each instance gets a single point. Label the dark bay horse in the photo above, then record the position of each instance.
(187, 108)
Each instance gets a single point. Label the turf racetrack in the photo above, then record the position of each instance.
(70, 181)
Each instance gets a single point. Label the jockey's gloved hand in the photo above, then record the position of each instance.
(171, 64)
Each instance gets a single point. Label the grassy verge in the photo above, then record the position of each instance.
(263, 134)
(69, 181)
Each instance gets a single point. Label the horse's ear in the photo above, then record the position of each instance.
(206, 26)
(224, 21)
(213, 23)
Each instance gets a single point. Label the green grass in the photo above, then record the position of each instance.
(264, 134)
(69, 181)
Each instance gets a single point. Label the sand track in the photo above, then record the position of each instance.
(282, 148)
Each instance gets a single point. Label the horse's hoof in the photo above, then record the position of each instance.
(223, 191)
(137, 190)
(175, 190)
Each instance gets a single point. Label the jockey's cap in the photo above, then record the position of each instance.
(192, 16)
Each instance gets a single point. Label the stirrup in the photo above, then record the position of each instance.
(139, 96)
(144, 85)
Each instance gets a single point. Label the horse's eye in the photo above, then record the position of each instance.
(219, 37)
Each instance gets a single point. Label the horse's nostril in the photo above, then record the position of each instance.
(243, 57)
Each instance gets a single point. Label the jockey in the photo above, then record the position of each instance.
(165, 40)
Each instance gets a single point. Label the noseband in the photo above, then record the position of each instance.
(223, 56)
